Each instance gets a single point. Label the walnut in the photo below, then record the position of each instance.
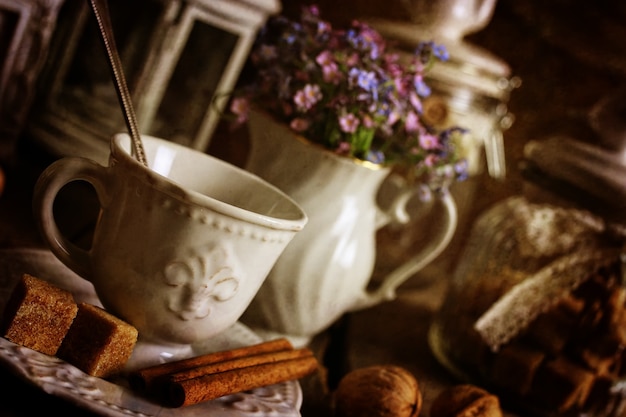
(465, 401)
(378, 391)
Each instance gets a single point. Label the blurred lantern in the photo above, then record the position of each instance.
(178, 55)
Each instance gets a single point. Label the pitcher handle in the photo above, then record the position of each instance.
(387, 289)
(49, 183)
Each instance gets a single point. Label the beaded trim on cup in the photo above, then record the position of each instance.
(218, 222)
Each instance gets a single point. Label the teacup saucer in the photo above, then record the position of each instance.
(114, 398)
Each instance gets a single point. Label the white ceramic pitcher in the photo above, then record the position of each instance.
(325, 270)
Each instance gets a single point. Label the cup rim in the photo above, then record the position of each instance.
(295, 223)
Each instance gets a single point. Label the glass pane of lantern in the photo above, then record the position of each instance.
(194, 82)
(8, 25)
(9, 22)
(87, 88)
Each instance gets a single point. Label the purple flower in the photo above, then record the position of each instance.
(425, 51)
(323, 28)
(441, 52)
(421, 88)
(376, 157)
(367, 80)
(353, 77)
(462, 169)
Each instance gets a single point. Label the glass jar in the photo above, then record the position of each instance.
(536, 309)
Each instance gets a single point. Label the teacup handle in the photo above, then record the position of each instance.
(387, 289)
(49, 183)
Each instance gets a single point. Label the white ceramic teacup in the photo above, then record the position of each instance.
(180, 248)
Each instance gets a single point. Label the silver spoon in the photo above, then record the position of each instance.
(101, 11)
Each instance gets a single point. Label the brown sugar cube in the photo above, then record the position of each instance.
(38, 315)
(561, 385)
(98, 343)
(514, 367)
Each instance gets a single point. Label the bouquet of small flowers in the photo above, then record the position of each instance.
(344, 90)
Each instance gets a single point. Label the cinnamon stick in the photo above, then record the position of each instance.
(211, 386)
(144, 379)
(238, 363)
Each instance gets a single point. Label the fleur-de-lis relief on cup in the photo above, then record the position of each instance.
(197, 282)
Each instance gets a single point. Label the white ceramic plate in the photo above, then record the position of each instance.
(114, 398)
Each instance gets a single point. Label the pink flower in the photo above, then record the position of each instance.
(393, 117)
(368, 122)
(348, 123)
(392, 59)
(240, 107)
(331, 73)
(415, 102)
(307, 97)
(412, 124)
(430, 160)
(314, 10)
(400, 86)
(343, 148)
(394, 69)
(428, 141)
(325, 58)
(353, 60)
(299, 124)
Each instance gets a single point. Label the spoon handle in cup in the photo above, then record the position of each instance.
(101, 11)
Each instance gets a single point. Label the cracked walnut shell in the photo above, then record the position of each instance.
(465, 401)
(378, 391)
